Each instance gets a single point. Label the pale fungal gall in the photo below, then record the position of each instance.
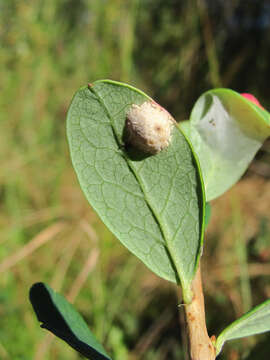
(149, 127)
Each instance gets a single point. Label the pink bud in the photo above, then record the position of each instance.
(252, 99)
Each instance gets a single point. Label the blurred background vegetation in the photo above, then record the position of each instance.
(173, 50)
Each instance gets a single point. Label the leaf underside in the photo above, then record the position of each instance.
(254, 322)
(226, 130)
(59, 317)
(153, 204)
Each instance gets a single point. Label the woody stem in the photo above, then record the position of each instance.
(200, 345)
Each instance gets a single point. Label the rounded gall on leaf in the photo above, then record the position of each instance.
(149, 127)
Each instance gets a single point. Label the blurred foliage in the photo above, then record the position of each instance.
(174, 50)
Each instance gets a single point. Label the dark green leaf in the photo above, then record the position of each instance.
(58, 316)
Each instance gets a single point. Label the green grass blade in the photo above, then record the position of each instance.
(58, 316)
(254, 322)
(226, 130)
(153, 204)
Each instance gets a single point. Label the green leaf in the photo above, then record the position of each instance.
(254, 322)
(58, 316)
(226, 130)
(154, 204)
(207, 214)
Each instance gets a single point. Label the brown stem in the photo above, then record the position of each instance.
(200, 345)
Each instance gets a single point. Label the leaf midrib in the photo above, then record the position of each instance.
(140, 182)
